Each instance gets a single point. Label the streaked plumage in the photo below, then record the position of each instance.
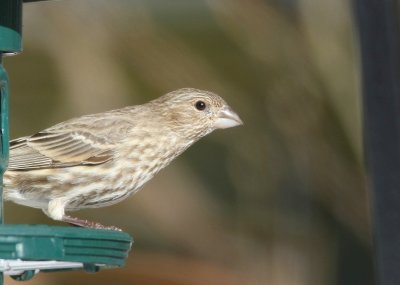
(98, 160)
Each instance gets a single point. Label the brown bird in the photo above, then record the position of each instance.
(98, 160)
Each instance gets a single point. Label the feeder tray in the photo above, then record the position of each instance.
(27, 249)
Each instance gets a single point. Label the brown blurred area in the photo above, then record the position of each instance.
(281, 200)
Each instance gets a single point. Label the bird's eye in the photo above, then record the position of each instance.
(200, 105)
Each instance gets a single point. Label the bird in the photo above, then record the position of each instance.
(100, 159)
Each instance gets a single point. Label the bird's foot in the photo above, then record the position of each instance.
(88, 224)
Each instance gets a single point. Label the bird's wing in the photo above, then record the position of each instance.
(49, 149)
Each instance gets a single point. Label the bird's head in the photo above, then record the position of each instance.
(195, 112)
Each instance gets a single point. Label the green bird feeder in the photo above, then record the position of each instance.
(27, 249)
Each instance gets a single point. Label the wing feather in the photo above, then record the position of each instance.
(49, 150)
(87, 140)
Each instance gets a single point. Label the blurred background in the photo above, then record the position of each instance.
(281, 200)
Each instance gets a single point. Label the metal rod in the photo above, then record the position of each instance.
(3, 137)
(4, 131)
(10, 43)
(380, 57)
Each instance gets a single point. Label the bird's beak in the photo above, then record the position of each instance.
(227, 118)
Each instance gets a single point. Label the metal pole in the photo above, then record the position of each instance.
(10, 43)
(3, 137)
(380, 57)
(4, 133)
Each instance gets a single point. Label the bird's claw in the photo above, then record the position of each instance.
(88, 224)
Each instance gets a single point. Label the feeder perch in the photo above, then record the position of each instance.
(27, 249)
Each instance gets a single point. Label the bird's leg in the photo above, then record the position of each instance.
(56, 210)
(87, 224)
